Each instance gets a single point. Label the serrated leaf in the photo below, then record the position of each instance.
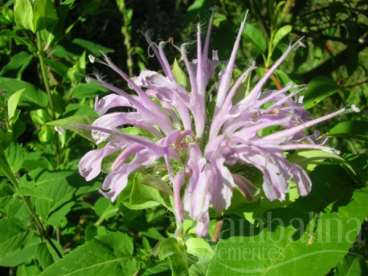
(105, 210)
(17, 246)
(92, 258)
(121, 243)
(27, 191)
(15, 155)
(54, 186)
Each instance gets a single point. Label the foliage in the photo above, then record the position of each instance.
(52, 222)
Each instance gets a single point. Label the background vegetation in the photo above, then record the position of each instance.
(54, 223)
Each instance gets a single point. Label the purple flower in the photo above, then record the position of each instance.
(181, 132)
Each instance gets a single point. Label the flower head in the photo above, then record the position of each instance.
(177, 122)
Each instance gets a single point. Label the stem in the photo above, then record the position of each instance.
(40, 55)
(269, 49)
(216, 235)
(126, 31)
(40, 227)
(45, 81)
(269, 60)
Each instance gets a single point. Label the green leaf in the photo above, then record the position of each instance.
(179, 74)
(30, 94)
(319, 89)
(43, 255)
(313, 249)
(200, 248)
(92, 258)
(121, 243)
(357, 129)
(105, 210)
(39, 116)
(15, 155)
(58, 217)
(77, 71)
(62, 53)
(57, 66)
(23, 14)
(45, 16)
(218, 18)
(25, 189)
(311, 158)
(172, 250)
(143, 196)
(13, 102)
(46, 134)
(158, 268)
(54, 186)
(256, 37)
(94, 48)
(197, 4)
(5, 169)
(72, 122)
(19, 62)
(84, 90)
(284, 78)
(352, 265)
(17, 246)
(28, 270)
(68, 2)
(280, 34)
(22, 40)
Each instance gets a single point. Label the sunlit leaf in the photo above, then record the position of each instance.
(23, 14)
(280, 34)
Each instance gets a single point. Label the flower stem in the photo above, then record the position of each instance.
(216, 235)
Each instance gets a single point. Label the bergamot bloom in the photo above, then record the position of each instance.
(205, 144)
